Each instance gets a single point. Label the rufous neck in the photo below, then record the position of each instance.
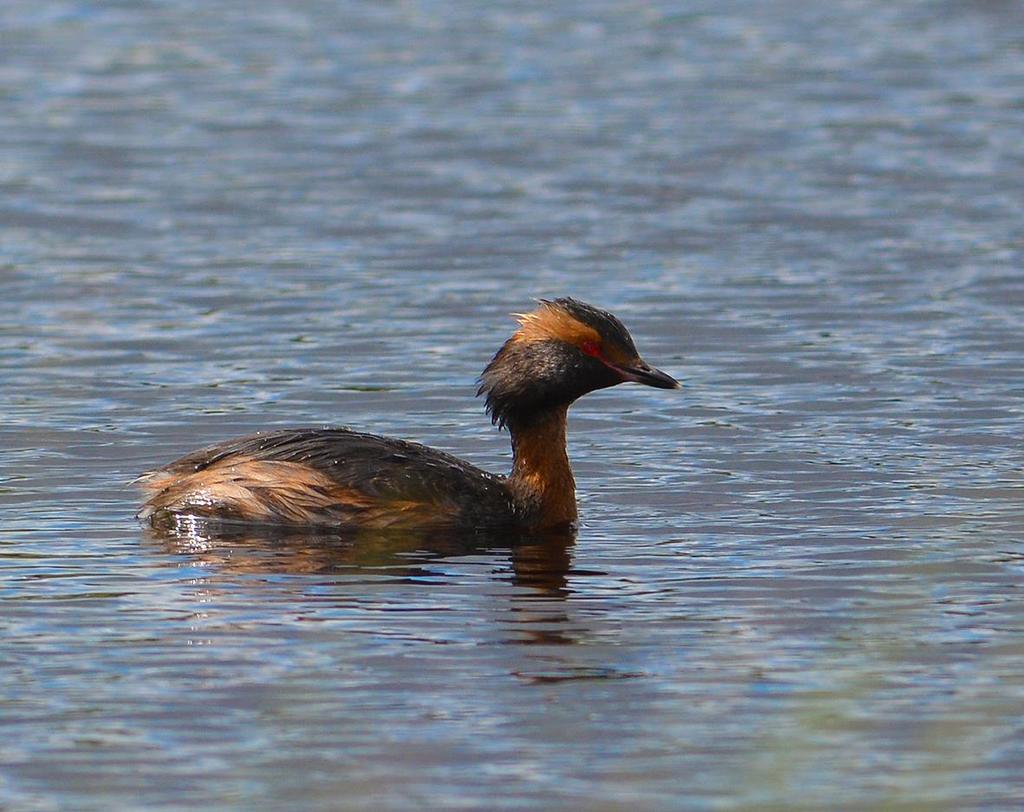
(541, 478)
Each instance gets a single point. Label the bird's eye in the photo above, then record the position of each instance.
(591, 349)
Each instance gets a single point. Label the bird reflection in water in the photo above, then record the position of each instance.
(539, 560)
(539, 616)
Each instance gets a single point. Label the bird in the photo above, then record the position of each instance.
(338, 477)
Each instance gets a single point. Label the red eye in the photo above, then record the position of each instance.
(590, 348)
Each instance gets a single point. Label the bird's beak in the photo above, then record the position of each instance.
(642, 372)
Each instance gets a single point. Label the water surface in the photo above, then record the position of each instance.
(797, 583)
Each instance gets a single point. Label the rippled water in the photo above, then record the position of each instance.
(797, 584)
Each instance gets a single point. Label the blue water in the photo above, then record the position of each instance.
(797, 582)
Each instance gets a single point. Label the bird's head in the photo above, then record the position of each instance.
(562, 350)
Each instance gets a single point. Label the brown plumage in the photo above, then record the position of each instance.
(339, 477)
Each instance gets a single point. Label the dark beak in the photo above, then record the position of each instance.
(642, 372)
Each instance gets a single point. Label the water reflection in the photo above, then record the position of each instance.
(539, 617)
(539, 561)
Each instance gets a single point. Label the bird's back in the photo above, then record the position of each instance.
(326, 476)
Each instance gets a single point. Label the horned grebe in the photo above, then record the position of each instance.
(337, 477)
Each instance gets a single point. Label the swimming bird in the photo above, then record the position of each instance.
(336, 477)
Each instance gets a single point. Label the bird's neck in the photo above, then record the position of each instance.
(541, 480)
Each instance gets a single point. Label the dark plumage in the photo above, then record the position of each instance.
(363, 473)
(336, 476)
